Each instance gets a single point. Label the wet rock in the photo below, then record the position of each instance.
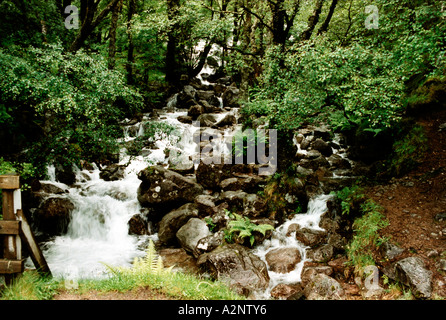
(53, 215)
(287, 292)
(188, 93)
(195, 111)
(323, 147)
(338, 162)
(209, 108)
(185, 119)
(308, 237)
(231, 184)
(173, 221)
(323, 287)
(191, 232)
(250, 183)
(413, 273)
(180, 260)
(164, 187)
(237, 267)
(205, 205)
(242, 202)
(181, 164)
(227, 121)
(210, 175)
(49, 188)
(283, 260)
(231, 96)
(323, 253)
(308, 272)
(208, 96)
(206, 120)
(138, 225)
(323, 133)
(65, 174)
(113, 172)
(209, 243)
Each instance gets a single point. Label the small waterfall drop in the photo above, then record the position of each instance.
(316, 208)
(98, 232)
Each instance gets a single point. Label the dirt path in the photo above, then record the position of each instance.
(413, 202)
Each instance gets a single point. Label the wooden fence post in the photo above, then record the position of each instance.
(12, 262)
(15, 228)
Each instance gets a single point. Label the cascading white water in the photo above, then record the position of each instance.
(98, 231)
(311, 219)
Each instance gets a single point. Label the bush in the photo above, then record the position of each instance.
(75, 100)
(366, 239)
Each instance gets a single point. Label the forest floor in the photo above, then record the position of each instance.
(410, 203)
(413, 203)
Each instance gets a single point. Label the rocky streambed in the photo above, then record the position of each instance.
(170, 191)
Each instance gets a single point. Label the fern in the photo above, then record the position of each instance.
(151, 263)
(245, 228)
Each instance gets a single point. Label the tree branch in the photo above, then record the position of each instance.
(258, 17)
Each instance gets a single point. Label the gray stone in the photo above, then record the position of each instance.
(391, 251)
(323, 147)
(190, 233)
(323, 287)
(413, 273)
(173, 221)
(235, 265)
(164, 187)
(283, 260)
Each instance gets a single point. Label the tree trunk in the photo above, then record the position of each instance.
(89, 23)
(326, 23)
(130, 57)
(172, 66)
(278, 22)
(312, 21)
(112, 40)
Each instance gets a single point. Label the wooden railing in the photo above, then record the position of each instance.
(15, 231)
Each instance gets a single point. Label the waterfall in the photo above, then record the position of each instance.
(98, 232)
(316, 208)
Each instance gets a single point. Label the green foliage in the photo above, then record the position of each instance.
(358, 81)
(26, 171)
(245, 228)
(152, 131)
(76, 99)
(151, 263)
(408, 151)
(366, 238)
(149, 272)
(350, 198)
(31, 286)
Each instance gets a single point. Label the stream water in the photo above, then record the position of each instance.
(98, 231)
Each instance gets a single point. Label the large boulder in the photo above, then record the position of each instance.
(235, 265)
(190, 233)
(413, 273)
(209, 243)
(173, 221)
(323, 147)
(209, 175)
(165, 188)
(113, 172)
(138, 225)
(323, 287)
(231, 96)
(306, 236)
(283, 260)
(53, 215)
(248, 204)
